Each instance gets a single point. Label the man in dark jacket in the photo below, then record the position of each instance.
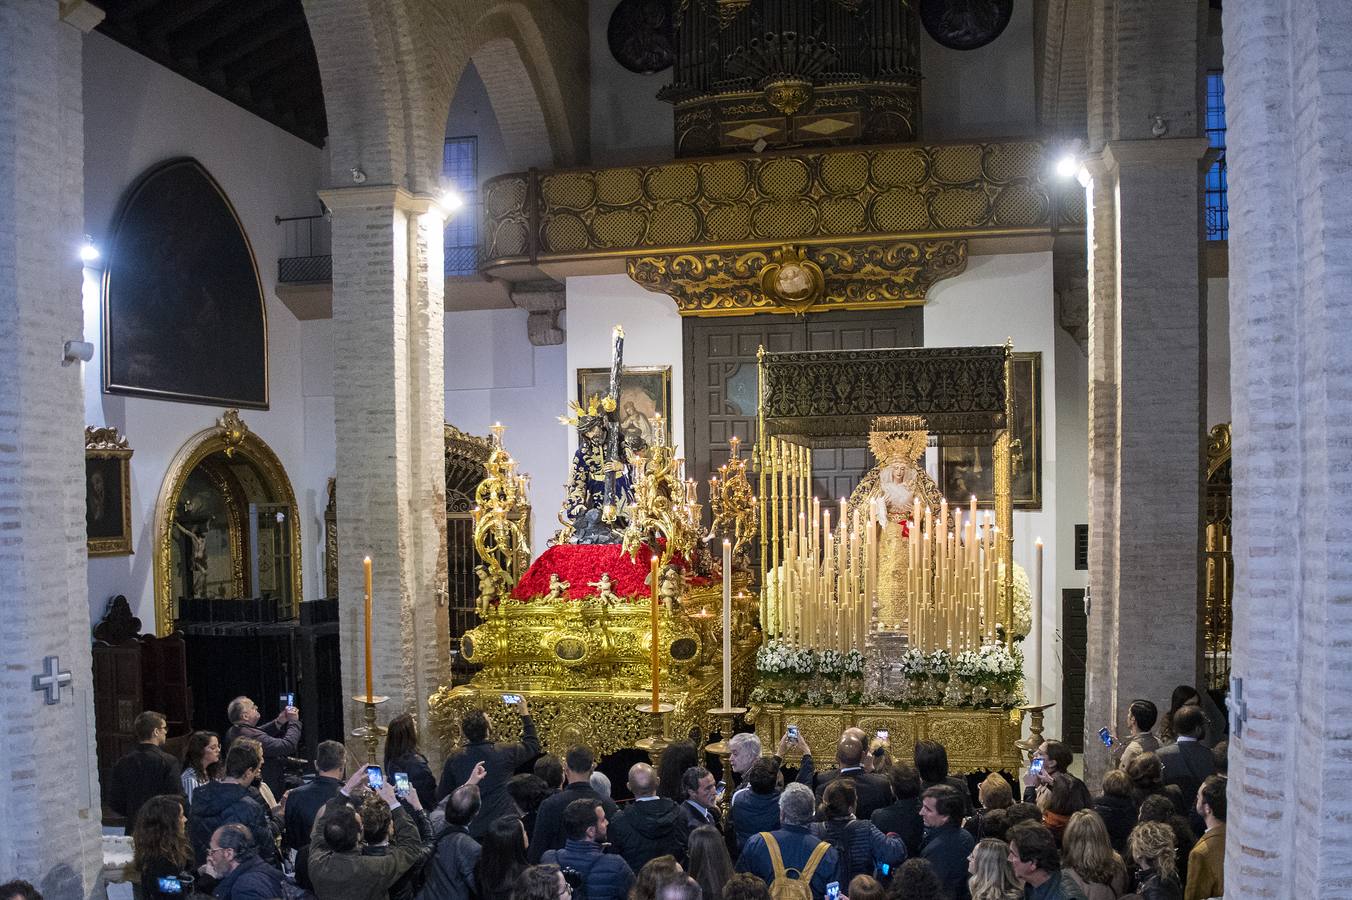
(651, 827)
(946, 844)
(500, 763)
(1037, 863)
(606, 876)
(902, 816)
(873, 790)
(280, 738)
(1188, 761)
(146, 771)
(233, 858)
(455, 855)
(338, 869)
(701, 799)
(232, 801)
(304, 803)
(796, 843)
(549, 835)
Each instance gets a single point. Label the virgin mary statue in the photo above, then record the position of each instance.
(888, 494)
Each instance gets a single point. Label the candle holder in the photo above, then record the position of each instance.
(1035, 714)
(369, 732)
(728, 720)
(659, 721)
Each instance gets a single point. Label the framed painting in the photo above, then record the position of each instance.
(107, 492)
(184, 317)
(645, 394)
(967, 470)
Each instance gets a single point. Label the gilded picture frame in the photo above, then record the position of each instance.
(107, 492)
(645, 392)
(965, 470)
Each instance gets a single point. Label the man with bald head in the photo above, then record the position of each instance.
(874, 791)
(652, 826)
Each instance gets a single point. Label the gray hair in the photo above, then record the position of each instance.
(600, 782)
(797, 804)
(744, 739)
(236, 710)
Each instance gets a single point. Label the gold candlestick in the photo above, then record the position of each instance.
(659, 721)
(728, 717)
(1034, 740)
(370, 733)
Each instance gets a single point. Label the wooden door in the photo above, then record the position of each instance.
(1074, 645)
(721, 388)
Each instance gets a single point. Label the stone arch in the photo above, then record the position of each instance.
(231, 437)
(389, 68)
(537, 86)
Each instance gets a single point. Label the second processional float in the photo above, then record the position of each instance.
(663, 607)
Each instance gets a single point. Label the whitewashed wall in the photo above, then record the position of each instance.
(1001, 297)
(493, 374)
(137, 114)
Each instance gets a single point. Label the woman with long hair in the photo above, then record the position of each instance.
(1058, 803)
(402, 755)
(544, 882)
(201, 761)
(1152, 847)
(709, 862)
(1183, 695)
(1147, 780)
(1158, 809)
(160, 847)
(503, 857)
(675, 760)
(989, 874)
(656, 874)
(1087, 856)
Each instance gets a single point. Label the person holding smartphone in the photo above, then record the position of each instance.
(501, 760)
(280, 738)
(161, 851)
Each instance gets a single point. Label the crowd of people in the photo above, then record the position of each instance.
(505, 820)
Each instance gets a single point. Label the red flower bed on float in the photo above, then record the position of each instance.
(579, 564)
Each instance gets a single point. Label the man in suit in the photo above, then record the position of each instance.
(146, 771)
(578, 764)
(946, 844)
(500, 763)
(1206, 862)
(1188, 761)
(701, 799)
(873, 790)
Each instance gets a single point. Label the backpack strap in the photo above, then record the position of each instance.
(776, 858)
(810, 868)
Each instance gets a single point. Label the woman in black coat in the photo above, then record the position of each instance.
(402, 755)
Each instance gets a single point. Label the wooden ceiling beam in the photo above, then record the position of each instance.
(221, 29)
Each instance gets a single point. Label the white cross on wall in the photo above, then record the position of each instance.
(52, 680)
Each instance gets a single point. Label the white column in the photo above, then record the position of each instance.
(389, 411)
(48, 771)
(1288, 109)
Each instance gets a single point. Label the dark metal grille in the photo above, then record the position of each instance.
(1217, 203)
(1220, 579)
(305, 250)
(460, 168)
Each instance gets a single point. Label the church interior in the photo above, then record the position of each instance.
(687, 367)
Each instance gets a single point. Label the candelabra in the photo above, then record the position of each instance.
(664, 513)
(735, 509)
(727, 716)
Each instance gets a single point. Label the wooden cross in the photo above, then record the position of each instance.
(52, 680)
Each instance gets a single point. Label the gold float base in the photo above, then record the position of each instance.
(977, 740)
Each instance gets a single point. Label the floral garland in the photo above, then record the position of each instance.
(991, 675)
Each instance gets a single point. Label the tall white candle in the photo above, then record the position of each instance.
(1036, 624)
(727, 624)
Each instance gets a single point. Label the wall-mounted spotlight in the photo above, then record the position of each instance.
(1067, 165)
(89, 251)
(450, 201)
(76, 351)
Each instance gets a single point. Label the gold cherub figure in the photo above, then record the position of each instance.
(605, 589)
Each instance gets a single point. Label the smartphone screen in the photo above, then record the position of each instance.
(286, 700)
(374, 777)
(884, 869)
(401, 785)
(833, 891)
(169, 884)
(793, 732)
(511, 699)
(882, 734)
(1035, 767)
(1105, 737)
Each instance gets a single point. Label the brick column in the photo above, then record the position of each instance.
(389, 410)
(48, 772)
(1288, 85)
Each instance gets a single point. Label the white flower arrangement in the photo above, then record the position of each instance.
(1023, 603)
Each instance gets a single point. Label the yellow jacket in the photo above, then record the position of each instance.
(1206, 866)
